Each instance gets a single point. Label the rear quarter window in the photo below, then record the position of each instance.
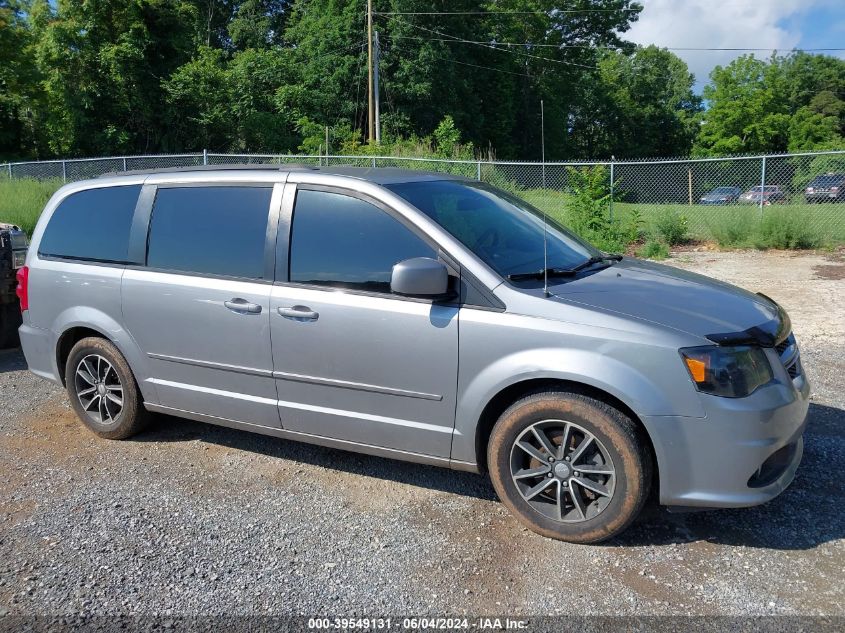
(92, 225)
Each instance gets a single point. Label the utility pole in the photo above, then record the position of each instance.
(376, 90)
(371, 106)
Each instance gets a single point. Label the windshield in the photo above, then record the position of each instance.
(502, 230)
(827, 181)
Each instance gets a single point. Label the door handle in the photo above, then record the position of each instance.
(242, 306)
(299, 313)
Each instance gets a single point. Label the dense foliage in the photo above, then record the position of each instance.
(97, 77)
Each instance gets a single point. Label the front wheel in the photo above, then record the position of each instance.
(569, 467)
(103, 391)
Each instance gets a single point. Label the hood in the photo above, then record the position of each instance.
(680, 300)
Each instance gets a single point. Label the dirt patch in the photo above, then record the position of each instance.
(829, 271)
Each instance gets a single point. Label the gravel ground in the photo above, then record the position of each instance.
(194, 519)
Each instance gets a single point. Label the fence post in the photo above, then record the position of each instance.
(689, 184)
(762, 185)
(612, 158)
(10, 171)
(205, 157)
(478, 171)
(124, 164)
(64, 171)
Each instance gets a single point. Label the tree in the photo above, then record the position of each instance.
(258, 23)
(255, 76)
(748, 110)
(20, 96)
(821, 124)
(471, 69)
(328, 57)
(786, 103)
(200, 94)
(640, 104)
(103, 63)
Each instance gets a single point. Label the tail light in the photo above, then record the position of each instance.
(23, 287)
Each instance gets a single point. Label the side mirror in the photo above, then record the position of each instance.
(420, 277)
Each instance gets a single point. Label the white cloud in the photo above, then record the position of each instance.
(720, 24)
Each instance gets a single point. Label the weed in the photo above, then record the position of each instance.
(672, 227)
(654, 249)
(781, 228)
(735, 229)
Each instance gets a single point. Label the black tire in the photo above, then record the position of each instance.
(103, 417)
(619, 439)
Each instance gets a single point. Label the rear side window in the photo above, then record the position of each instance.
(210, 230)
(92, 225)
(342, 241)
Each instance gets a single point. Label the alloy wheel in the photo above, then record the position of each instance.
(99, 389)
(562, 471)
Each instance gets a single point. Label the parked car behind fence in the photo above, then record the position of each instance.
(721, 195)
(826, 188)
(768, 194)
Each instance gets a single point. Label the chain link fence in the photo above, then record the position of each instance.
(713, 198)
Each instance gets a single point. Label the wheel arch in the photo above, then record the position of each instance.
(70, 337)
(497, 405)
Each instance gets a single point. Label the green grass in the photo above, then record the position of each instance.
(21, 201)
(776, 226)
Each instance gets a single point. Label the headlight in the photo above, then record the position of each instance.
(732, 372)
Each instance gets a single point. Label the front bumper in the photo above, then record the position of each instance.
(824, 196)
(743, 453)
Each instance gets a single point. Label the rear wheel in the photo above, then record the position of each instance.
(569, 467)
(103, 391)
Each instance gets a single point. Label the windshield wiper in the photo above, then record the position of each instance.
(564, 272)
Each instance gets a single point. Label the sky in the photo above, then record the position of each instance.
(770, 24)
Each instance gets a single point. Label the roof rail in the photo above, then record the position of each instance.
(189, 168)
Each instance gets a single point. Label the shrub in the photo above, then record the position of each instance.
(734, 229)
(588, 206)
(654, 249)
(672, 227)
(782, 228)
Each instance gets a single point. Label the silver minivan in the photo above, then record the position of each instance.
(416, 316)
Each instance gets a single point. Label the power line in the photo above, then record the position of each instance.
(609, 48)
(549, 13)
(496, 48)
(491, 68)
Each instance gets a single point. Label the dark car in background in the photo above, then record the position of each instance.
(826, 188)
(721, 195)
(767, 194)
(13, 248)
